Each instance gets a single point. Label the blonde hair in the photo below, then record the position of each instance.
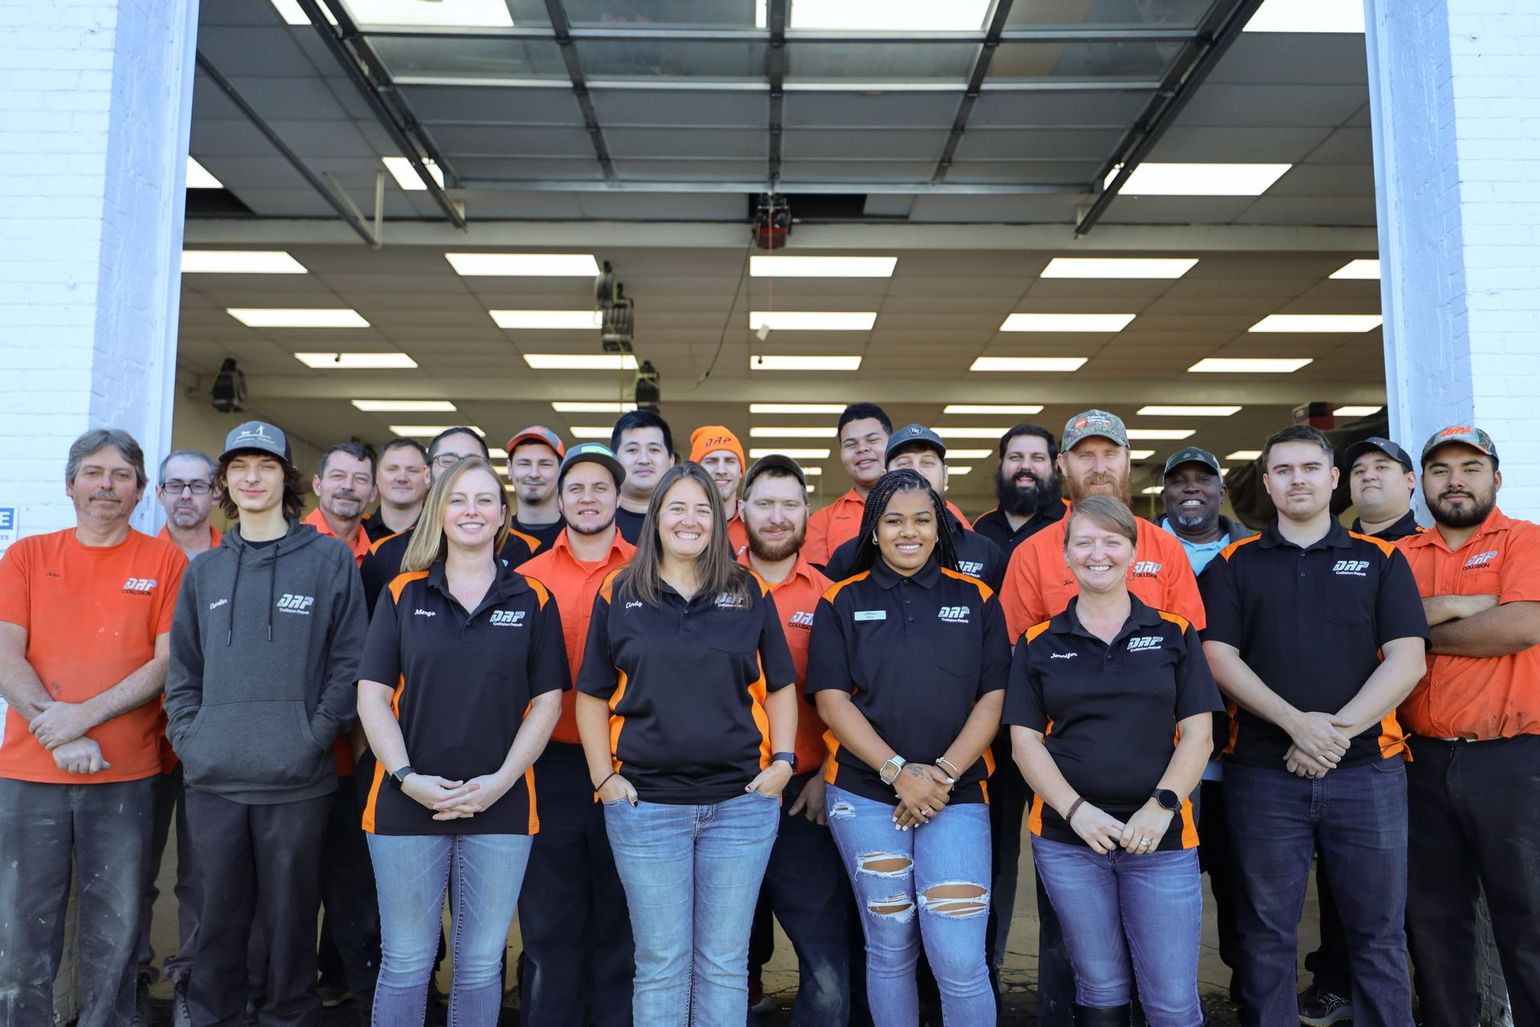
(1106, 512)
(428, 545)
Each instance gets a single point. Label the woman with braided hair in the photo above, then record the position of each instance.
(906, 663)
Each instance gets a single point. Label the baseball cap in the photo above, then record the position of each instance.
(1351, 454)
(773, 461)
(709, 438)
(258, 435)
(908, 435)
(1093, 423)
(538, 433)
(594, 453)
(1462, 433)
(1192, 455)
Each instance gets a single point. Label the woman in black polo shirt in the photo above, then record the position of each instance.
(907, 662)
(1096, 697)
(689, 730)
(460, 687)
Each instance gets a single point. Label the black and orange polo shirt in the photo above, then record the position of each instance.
(380, 565)
(463, 679)
(1109, 711)
(1310, 623)
(686, 683)
(977, 556)
(916, 654)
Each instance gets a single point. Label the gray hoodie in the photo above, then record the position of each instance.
(264, 666)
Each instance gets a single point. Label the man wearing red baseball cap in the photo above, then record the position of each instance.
(534, 454)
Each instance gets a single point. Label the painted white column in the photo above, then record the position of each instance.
(95, 110)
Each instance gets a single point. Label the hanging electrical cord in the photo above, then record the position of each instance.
(727, 321)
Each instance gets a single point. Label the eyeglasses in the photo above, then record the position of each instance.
(444, 461)
(176, 486)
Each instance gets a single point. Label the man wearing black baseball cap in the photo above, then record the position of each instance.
(1194, 492)
(1381, 480)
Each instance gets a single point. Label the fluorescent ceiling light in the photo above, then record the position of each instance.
(822, 267)
(439, 13)
(1307, 16)
(1253, 365)
(556, 320)
(787, 432)
(1152, 490)
(413, 406)
(566, 407)
(875, 17)
(992, 408)
(968, 454)
(592, 431)
(813, 320)
(773, 362)
(1200, 179)
(1351, 411)
(498, 454)
(1363, 268)
(971, 433)
(427, 431)
(1118, 267)
(581, 361)
(1187, 411)
(1159, 434)
(1066, 322)
(1317, 323)
(356, 361)
(240, 262)
(297, 317)
(955, 471)
(796, 408)
(811, 471)
(1244, 454)
(401, 170)
(198, 177)
(1028, 363)
(795, 454)
(524, 265)
(1140, 454)
(293, 14)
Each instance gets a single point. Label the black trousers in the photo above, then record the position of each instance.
(256, 863)
(350, 927)
(1008, 795)
(578, 955)
(1215, 860)
(168, 807)
(1475, 825)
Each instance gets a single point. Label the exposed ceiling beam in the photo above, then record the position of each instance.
(775, 74)
(631, 32)
(970, 97)
(561, 25)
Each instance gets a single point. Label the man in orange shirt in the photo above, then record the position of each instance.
(578, 956)
(721, 454)
(84, 620)
(344, 488)
(863, 436)
(1472, 787)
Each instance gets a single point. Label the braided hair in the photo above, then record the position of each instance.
(890, 484)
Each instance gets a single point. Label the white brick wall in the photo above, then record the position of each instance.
(95, 107)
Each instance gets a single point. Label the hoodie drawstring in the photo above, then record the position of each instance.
(230, 633)
(272, 588)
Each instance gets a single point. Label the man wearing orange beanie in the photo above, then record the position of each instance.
(721, 454)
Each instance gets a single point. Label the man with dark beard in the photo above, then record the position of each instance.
(1095, 460)
(1026, 489)
(578, 953)
(805, 884)
(1474, 720)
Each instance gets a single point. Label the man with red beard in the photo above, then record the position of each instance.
(1038, 585)
(1027, 491)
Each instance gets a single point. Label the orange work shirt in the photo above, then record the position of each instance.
(574, 584)
(168, 760)
(1478, 697)
(796, 598)
(1038, 584)
(214, 536)
(837, 523)
(92, 616)
(738, 535)
(342, 750)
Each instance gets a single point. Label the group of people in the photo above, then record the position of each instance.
(660, 701)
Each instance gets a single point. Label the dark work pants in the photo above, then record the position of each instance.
(169, 806)
(578, 954)
(107, 828)
(351, 924)
(1475, 825)
(1214, 859)
(256, 863)
(1008, 795)
(1329, 962)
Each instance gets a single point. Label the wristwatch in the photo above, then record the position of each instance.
(897, 763)
(1167, 799)
(401, 773)
(785, 757)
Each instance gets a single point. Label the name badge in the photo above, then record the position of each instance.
(871, 615)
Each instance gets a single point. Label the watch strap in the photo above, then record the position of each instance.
(785, 757)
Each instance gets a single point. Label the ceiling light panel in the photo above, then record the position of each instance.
(1160, 434)
(812, 471)
(240, 262)
(552, 320)
(1118, 267)
(1251, 365)
(293, 14)
(1244, 454)
(428, 431)
(955, 471)
(1187, 411)
(1200, 179)
(796, 408)
(813, 320)
(1016, 364)
(822, 267)
(297, 317)
(1066, 322)
(1307, 16)
(356, 361)
(992, 409)
(437, 14)
(789, 432)
(198, 177)
(578, 407)
(796, 454)
(1328, 324)
(401, 170)
(498, 454)
(875, 17)
(772, 362)
(593, 431)
(968, 454)
(523, 265)
(1152, 490)
(1351, 411)
(581, 361)
(1140, 454)
(405, 406)
(951, 432)
(1361, 269)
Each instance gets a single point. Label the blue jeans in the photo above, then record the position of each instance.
(1356, 818)
(692, 876)
(940, 869)
(411, 874)
(1128, 918)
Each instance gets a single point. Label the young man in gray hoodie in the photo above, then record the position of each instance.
(263, 677)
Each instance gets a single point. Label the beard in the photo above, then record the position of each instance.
(578, 529)
(185, 517)
(1480, 508)
(1196, 522)
(1079, 490)
(1026, 501)
(774, 553)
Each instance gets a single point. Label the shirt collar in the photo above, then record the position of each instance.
(1140, 615)
(619, 547)
(507, 584)
(1496, 521)
(887, 577)
(1336, 538)
(800, 569)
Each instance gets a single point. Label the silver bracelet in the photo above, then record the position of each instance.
(952, 772)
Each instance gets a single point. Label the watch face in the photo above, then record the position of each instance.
(1168, 799)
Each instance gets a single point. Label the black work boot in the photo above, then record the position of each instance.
(1102, 1016)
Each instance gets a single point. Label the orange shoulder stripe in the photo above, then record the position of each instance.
(1385, 547)
(834, 589)
(1035, 630)
(984, 590)
(1175, 618)
(607, 590)
(399, 583)
(1229, 550)
(375, 546)
(541, 592)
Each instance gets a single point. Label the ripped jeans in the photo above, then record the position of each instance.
(941, 872)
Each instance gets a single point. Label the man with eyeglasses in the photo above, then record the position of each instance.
(185, 490)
